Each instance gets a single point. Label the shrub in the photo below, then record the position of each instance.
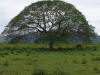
(12, 52)
(83, 54)
(96, 59)
(96, 69)
(2, 56)
(6, 53)
(1, 72)
(60, 49)
(16, 54)
(84, 62)
(6, 63)
(78, 46)
(29, 63)
(93, 54)
(94, 48)
(59, 71)
(27, 55)
(75, 61)
(39, 72)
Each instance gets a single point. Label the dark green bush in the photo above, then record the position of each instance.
(96, 69)
(39, 72)
(84, 62)
(96, 59)
(6, 63)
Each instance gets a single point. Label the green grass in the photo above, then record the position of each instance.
(31, 59)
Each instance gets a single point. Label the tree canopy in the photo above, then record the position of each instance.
(51, 19)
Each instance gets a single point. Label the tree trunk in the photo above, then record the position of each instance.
(51, 45)
(51, 41)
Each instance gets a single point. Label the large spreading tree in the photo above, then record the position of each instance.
(52, 20)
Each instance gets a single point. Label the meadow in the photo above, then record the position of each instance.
(37, 59)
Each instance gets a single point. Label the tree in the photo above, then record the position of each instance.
(52, 19)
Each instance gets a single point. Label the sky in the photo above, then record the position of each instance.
(90, 8)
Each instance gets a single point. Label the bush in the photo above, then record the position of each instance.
(6, 63)
(1, 72)
(60, 72)
(83, 54)
(94, 48)
(96, 69)
(39, 72)
(75, 61)
(96, 59)
(79, 46)
(84, 62)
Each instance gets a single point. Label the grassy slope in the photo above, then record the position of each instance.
(82, 62)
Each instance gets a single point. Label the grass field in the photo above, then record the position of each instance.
(36, 59)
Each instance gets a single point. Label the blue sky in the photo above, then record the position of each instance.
(90, 8)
